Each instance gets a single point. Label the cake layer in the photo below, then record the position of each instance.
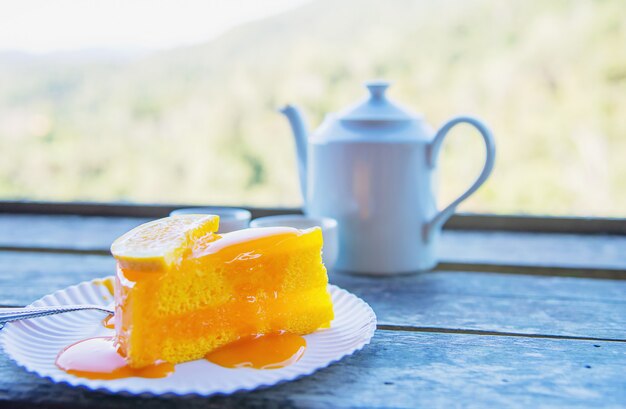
(224, 287)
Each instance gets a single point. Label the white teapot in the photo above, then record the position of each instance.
(371, 168)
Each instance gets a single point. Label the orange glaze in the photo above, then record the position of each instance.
(259, 293)
(224, 287)
(106, 282)
(109, 321)
(270, 351)
(98, 358)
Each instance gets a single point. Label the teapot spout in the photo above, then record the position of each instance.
(300, 133)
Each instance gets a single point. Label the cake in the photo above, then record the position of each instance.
(182, 290)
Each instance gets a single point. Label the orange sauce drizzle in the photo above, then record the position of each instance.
(98, 358)
(270, 351)
(107, 282)
(109, 321)
(102, 358)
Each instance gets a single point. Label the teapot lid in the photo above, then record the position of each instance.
(376, 107)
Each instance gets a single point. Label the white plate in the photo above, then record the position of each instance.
(34, 344)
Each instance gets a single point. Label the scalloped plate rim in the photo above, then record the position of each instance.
(4, 343)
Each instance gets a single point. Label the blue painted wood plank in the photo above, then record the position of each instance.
(541, 250)
(402, 370)
(454, 300)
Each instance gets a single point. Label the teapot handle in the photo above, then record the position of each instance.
(432, 155)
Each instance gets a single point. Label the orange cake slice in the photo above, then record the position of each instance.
(181, 290)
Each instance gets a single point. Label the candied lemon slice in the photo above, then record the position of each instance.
(158, 244)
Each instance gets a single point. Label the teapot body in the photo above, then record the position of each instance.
(381, 195)
(373, 169)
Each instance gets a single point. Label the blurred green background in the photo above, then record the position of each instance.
(198, 124)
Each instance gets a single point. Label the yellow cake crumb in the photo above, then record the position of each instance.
(215, 289)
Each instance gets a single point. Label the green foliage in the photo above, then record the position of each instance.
(199, 124)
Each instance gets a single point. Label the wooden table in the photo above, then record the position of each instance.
(509, 318)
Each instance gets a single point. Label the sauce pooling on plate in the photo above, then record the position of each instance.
(270, 351)
(193, 277)
(99, 358)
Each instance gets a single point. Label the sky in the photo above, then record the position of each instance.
(44, 26)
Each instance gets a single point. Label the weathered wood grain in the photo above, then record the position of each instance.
(534, 249)
(402, 370)
(422, 365)
(25, 277)
(452, 300)
(497, 302)
(90, 233)
(537, 223)
(459, 221)
(109, 209)
(458, 248)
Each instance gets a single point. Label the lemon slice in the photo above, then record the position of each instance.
(158, 244)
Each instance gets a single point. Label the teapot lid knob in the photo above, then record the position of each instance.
(377, 88)
(376, 107)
